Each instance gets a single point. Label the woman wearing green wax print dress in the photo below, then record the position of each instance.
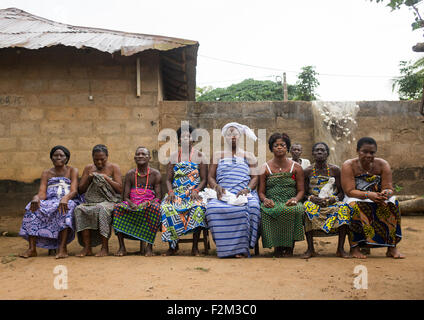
(281, 187)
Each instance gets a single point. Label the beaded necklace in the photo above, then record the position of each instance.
(314, 171)
(147, 180)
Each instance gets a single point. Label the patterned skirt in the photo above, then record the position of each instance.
(139, 224)
(180, 219)
(374, 225)
(282, 225)
(97, 217)
(325, 221)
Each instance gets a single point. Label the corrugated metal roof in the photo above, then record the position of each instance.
(22, 29)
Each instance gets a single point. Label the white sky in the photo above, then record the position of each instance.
(355, 45)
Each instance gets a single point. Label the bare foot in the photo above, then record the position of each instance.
(309, 254)
(85, 252)
(195, 252)
(366, 251)
(29, 253)
(394, 253)
(121, 252)
(103, 252)
(63, 253)
(356, 253)
(278, 252)
(148, 251)
(170, 252)
(287, 252)
(342, 254)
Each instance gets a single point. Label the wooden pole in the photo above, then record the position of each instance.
(138, 78)
(286, 95)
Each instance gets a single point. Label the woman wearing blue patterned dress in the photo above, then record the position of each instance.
(49, 218)
(182, 210)
(234, 227)
(325, 215)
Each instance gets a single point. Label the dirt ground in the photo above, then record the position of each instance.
(207, 277)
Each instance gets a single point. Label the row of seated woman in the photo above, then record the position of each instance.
(228, 197)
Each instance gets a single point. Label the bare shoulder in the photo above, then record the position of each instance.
(348, 163)
(154, 171)
(381, 165)
(73, 170)
(334, 167)
(130, 172)
(89, 168)
(297, 166)
(201, 157)
(46, 174)
(115, 166)
(307, 170)
(381, 161)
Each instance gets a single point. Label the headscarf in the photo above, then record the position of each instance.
(65, 151)
(240, 127)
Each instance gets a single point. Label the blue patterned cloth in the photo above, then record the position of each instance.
(182, 216)
(234, 228)
(47, 222)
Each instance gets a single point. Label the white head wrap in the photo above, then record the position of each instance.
(240, 127)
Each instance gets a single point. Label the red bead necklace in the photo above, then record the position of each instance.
(147, 180)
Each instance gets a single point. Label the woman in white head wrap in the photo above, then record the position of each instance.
(234, 228)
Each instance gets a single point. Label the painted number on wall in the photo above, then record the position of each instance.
(10, 100)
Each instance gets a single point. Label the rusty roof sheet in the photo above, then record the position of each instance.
(22, 29)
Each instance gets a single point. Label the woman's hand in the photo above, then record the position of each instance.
(143, 205)
(35, 204)
(268, 203)
(219, 191)
(63, 205)
(330, 200)
(131, 205)
(317, 200)
(195, 195)
(377, 197)
(387, 193)
(243, 192)
(171, 197)
(291, 202)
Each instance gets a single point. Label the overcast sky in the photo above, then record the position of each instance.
(355, 45)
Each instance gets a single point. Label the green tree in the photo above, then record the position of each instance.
(203, 90)
(306, 84)
(411, 5)
(410, 83)
(249, 90)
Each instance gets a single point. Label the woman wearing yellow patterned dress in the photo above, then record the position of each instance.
(367, 183)
(281, 188)
(325, 213)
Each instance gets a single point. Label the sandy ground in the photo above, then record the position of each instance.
(207, 277)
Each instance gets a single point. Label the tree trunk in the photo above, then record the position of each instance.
(412, 207)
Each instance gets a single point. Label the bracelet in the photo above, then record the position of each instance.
(366, 194)
(171, 191)
(195, 189)
(248, 188)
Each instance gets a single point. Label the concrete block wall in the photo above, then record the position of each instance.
(44, 101)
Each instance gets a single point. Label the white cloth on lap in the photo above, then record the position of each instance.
(228, 197)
